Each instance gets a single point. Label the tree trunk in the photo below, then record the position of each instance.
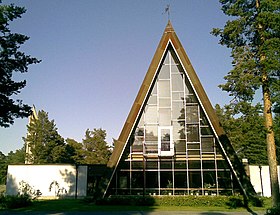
(270, 142)
(270, 139)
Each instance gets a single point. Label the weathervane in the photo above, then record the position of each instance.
(167, 10)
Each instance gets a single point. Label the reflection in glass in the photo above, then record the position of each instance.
(192, 114)
(172, 119)
(192, 133)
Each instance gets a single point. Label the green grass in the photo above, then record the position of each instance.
(80, 205)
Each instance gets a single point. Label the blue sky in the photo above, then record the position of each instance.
(95, 54)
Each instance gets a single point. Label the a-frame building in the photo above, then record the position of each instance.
(172, 142)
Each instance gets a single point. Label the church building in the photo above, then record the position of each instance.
(172, 142)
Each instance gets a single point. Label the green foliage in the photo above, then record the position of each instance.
(47, 146)
(16, 157)
(12, 60)
(254, 32)
(3, 168)
(273, 210)
(253, 35)
(127, 200)
(188, 201)
(96, 149)
(75, 151)
(246, 131)
(13, 202)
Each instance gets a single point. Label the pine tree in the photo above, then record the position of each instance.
(12, 60)
(254, 37)
(75, 151)
(246, 132)
(46, 145)
(95, 147)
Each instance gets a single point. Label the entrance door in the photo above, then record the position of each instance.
(165, 141)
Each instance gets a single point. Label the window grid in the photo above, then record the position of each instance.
(188, 101)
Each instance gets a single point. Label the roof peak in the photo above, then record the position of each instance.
(169, 27)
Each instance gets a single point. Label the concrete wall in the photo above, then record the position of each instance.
(54, 181)
(260, 179)
(51, 181)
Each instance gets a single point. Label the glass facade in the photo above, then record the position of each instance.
(172, 149)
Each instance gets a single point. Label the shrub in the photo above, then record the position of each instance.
(273, 211)
(235, 202)
(127, 200)
(12, 202)
(190, 201)
(256, 201)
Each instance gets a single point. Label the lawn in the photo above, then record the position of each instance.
(80, 205)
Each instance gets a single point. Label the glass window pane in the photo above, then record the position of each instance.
(179, 130)
(192, 133)
(205, 130)
(192, 114)
(190, 98)
(151, 133)
(209, 180)
(193, 152)
(188, 87)
(208, 164)
(139, 133)
(178, 96)
(180, 164)
(164, 116)
(123, 179)
(164, 88)
(137, 180)
(141, 121)
(166, 59)
(178, 111)
(180, 179)
(164, 102)
(166, 180)
(152, 179)
(222, 164)
(195, 179)
(137, 165)
(224, 179)
(151, 114)
(194, 164)
(137, 146)
(151, 147)
(164, 72)
(207, 144)
(180, 147)
(165, 164)
(152, 100)
(154, 91)
(151, 164)
(165, 139)
(177, 82)
(194, 146)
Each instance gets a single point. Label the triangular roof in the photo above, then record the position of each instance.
(170, 38)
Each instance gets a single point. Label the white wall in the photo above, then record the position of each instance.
(256, 176)
(51, 180)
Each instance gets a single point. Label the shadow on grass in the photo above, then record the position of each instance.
(74, 207)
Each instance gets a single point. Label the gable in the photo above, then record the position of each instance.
(173, 117)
